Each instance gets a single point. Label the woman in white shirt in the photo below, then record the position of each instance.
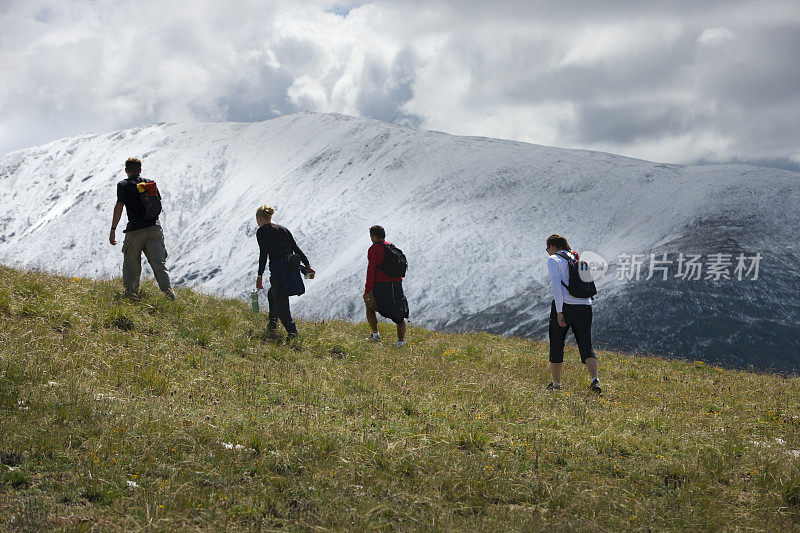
(568, 312)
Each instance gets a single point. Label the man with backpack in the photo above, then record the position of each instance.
(571, 309)
(142, 202)
(383, 293)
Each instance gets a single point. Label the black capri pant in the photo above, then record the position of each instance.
(579, 319)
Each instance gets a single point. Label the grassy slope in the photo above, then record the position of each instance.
(451, 432)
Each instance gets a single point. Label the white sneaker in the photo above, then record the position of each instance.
(375, 337)
(399, 344)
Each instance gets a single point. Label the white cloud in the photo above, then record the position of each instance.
(641, 79)
(693, 146)
(308, 93)
(715, 35)
(598, 43)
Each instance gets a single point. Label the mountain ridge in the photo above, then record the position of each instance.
(471, 213)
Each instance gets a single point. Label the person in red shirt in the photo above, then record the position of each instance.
(383, 294)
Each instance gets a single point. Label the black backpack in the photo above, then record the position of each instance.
(394, 261)
(577, 286)
(150, 201)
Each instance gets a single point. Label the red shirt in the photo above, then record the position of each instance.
(375, 256)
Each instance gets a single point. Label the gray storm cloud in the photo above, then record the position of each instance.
(669, 81)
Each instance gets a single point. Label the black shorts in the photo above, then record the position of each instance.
(390, 300)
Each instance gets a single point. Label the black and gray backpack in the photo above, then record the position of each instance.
(394, 261)
(149, 198)
(578, 287)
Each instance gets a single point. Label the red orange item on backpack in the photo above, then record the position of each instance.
(148, 187)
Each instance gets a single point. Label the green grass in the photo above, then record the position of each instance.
(118, 415)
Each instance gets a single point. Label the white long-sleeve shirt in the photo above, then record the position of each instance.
(558, 268)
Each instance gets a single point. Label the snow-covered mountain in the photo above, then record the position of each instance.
(471, 214)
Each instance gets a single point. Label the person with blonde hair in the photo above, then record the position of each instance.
(277, 244)
(265, 212)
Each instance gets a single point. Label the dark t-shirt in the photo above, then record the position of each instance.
(128, 195)
(277, 242)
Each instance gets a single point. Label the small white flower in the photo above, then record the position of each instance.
(237, 447)
(133, 484)
(103, 396)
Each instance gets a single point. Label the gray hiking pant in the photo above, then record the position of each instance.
(151, 242)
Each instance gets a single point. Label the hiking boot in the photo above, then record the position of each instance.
(290, 337)
(375, 337)
(553, 386)
(170, 294)
(595, 386)
(271, 332)
(400, 344)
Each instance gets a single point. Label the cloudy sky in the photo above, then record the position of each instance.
(677, 81)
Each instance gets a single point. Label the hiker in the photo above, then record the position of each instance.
(568, 312)
(142, 202)
(384, 289)
(277, 244)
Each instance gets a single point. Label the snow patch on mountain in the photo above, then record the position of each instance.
(471, 215)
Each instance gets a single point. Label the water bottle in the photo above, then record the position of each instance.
(254, 300)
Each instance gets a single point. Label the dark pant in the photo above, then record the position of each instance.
(579, 319)
(279, 307)
(390, 301)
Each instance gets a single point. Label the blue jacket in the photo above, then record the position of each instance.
(290, 278)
